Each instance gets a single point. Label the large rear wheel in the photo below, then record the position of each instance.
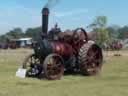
(90, 59)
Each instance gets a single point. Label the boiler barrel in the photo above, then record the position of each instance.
(62, 49)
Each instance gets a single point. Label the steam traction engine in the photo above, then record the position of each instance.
(71, 52)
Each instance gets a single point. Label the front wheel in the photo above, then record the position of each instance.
(53, 67)
(33, 65)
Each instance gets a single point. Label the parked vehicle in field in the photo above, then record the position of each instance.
(20, 43)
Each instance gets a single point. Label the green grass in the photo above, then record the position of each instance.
(113, 80)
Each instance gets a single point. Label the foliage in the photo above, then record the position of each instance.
(3, 39)
(33, 32)
(99, 26)
(123, 32)
(113, 32)
(102, 33)
(15, 33)
(117, 32)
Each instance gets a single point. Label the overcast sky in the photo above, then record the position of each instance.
(69, 14)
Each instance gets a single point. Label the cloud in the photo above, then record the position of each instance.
(70, 13)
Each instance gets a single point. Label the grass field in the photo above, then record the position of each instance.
(113, 81)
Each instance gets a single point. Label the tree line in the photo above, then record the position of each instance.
(107, 34)
(17, 33)
(103, 33)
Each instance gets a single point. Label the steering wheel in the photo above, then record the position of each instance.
(80, 35)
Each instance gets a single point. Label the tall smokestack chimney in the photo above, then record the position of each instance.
(45, 17)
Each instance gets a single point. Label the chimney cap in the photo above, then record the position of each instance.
(45, 11)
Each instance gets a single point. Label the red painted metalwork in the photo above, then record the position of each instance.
(62, 49)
